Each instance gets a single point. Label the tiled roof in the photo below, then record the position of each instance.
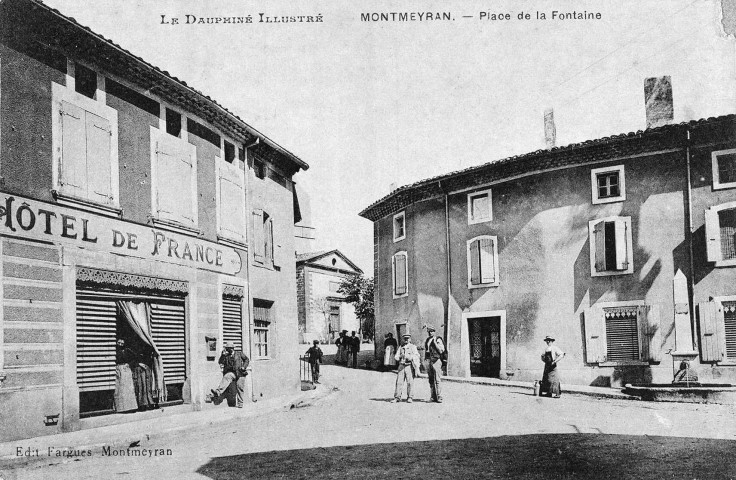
(307, 257)
(303, 257)
(673, 136)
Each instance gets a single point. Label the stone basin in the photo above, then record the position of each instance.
(722, 393)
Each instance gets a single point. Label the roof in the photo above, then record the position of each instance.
(674, 136)
(48, 28)
(314, 256)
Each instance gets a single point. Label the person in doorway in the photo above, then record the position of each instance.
(342, 346)
(408, 359)
(551, 378)
(234, 365)
(354, 348)
(434, 347)
(125, 399)
(314, 355)
(389, 348)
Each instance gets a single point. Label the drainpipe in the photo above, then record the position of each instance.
(447, 261)
(691, 277)
(249, 297)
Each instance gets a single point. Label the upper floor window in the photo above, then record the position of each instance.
(173, 123)
(610, 246)
(230, 202)
(608, 184)
(622, 332)
(399, 226)
(400, 274)
(479, 207)
(263, 251)
(85, 144)
(482, 262)
(720, 233)
(724, 168)
(334, 287)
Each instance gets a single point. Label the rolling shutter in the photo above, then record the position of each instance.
(168, 333)
(729, 317)
(96, 337)
(622, 336)
(232, 322)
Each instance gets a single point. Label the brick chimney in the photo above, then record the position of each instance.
(550, 132)
(658, 101)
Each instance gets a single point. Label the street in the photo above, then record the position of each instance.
(479, 431)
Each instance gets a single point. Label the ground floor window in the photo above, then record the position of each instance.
(232, 320)
(261, 328)
(729, 320)
(622, 338)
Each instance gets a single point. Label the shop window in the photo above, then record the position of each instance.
(399, 226)
(611, 246)
(621, 332)
(479, 207)
(608, 184)
(724, 168)
(232, 321)
(173, 123)
(174, 181)
(482, 262)
(718, 330)
(400, 274)
(720, 232)
(230, 202)
(262, 311)
(263, 245)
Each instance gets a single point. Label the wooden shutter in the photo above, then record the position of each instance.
(258, 240)
(710, 350)
(268, 237)
(174, 172)
(599, 237)
(168, 331)
(475, 262)
(232, 322)
(96, 348)
(99, 184)
(487, 267)
(595, 335)
(650, 335)
(73, 168)
(400, 274)
(622, 254)
(712, 235)
(232, 201)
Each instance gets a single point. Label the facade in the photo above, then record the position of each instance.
(323, 312)
(621, 248)
(130, 203)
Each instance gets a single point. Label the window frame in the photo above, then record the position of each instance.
(496, 281)
(393, 274)
(595, 172)
(401, 215)
(629, 247)
(717, 184)
(599, 309)
(712, 214)
(267, 329)
(478, 193)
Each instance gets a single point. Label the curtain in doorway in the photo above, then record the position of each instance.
(138, 317)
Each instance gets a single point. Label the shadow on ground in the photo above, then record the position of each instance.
(551, 456)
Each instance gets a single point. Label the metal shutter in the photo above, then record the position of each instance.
(232, 322)
(168, 333)
(622, 339)
(96, 337)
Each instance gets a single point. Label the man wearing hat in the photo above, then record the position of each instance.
(434, 347)
(315, 358)
(234, 366)
(408, 358)
(551, 377)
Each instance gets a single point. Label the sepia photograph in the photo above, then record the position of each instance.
(404, 239)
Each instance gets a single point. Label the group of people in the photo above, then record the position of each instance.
(408, 363)
(347, 349)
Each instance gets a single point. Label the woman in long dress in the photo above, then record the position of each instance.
(551, 377)
(389, 346)
(125, 400)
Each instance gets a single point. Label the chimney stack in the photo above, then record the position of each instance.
(392, 187)
(550, 133)
(658, 101)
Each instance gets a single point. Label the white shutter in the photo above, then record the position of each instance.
(99, 186)
(169, 334)
(475, 262)
(174, 177)
(595, 335)
(268, 236)
(258, 240)
(487, 267)
(712, 235)
(400, 274)
(232, 201)
(96, 337)
(73, 163)
(650, 336)
(599, 236)
(622, 254)
(232, 322)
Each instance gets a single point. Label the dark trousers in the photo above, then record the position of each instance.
(354, 353)
(315, 371)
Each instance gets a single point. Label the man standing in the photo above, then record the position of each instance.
(434, 347)
(408, 358)
(234, 369)
(354, 348)
(315, 358)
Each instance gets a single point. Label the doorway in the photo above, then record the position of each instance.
(484, 335)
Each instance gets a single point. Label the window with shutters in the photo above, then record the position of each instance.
(399, 226)
(400, 274)
(610, 246)
(85, 150)
(232, 320)
(263, 242)
(230, 191)
(482, 262)
(720, 233)
(724, 169)
(718, 330)
(173, 182)
(262, 311)
(608, 184)
(479, 207)
(622, 332)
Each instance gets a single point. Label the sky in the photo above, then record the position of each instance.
(368, 104)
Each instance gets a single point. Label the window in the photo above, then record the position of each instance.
(174, 181)
(334, 319)
(608, 184)
(263, 251)
(400, 274)
(85, 81)
(85, 146)
(610, 246)
(724, 169)
(230, 202)
(720, 233)
(399, 226)
(232, 319)
(229, 152)
(173, 123)
(622, 332)
(259, 168)
(261, 328)
(334, 287)
(718, 330)
(482, 262)
(479, 207)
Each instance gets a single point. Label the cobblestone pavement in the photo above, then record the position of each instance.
(479, 431)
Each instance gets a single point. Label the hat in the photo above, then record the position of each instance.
(344, 331)
(316, 342)
(549, 338)
(430, 328)
(229, 345)
(406, 335)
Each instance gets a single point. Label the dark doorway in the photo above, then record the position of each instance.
(484, 334)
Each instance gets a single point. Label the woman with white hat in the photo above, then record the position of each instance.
(551, 377)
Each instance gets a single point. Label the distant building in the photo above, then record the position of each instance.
(323, 312)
